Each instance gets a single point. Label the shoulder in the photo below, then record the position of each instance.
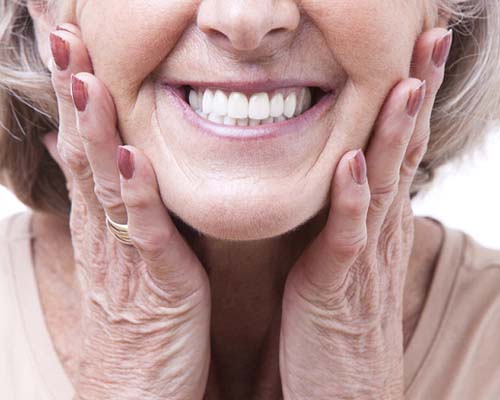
(474, 321)
(476, 268)
(477, 257)
(22, 350)
(15, 227)
(460, 332)
(478, 280)
(15, 237)
(479, 270)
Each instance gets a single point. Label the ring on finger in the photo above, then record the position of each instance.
(119, 231)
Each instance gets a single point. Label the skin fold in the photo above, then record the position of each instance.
(274, 206)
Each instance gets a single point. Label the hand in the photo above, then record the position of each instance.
(146, 307)
(341, 331)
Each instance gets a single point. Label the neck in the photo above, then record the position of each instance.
(247, 278)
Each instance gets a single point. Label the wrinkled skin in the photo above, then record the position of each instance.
(345, 291)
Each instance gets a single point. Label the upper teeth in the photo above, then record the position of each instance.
(261, 108)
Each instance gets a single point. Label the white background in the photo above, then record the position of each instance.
(465, 195)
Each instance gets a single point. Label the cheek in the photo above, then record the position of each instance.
(373, 42)
(371, 39)
(127, 42)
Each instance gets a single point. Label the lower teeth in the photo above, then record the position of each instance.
(218, 119)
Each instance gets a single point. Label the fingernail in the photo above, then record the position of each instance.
(125, 162)
(442, 49)
(357, 165)
(415, 100)
(80, 93)
(62, 28)
(60, 51)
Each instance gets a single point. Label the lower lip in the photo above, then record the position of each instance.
(267, 131)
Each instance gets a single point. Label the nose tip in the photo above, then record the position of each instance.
(240, 26)
(240, 29)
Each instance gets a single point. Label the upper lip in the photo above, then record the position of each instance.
(252, 86)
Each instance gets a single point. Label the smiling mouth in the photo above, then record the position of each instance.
(234, 108)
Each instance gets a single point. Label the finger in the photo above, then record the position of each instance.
(172, 265)
(70, 56)
(387, 148)
(327, 261)
(50, 142)
(430, 55)
(96, 121)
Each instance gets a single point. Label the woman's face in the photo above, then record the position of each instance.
(248, 189)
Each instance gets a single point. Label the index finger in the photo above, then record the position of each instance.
(69, 56)
(430, 55)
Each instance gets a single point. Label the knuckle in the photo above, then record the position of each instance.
(115, 209)
(62, 89)
(382, 196)
(135, 201)
(345, 254)
(422, 136)
(354, 205)
(379, 205)
(398, 140)
(348, 247)
(420, 147)
(434, 83)
(74, 158)
(313, 292)
(415, 155)
(65, 95)
(389, 240)
(396, 137)
(109, 196)
(153, 244)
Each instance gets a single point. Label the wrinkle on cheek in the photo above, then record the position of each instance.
(369, 38)
(127, 43)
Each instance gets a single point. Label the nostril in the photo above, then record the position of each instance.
(277, 31)
(217, 36)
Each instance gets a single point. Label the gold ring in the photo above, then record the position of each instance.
(119, 231)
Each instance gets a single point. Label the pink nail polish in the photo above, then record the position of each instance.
(80, 93)
(60, 51)
(416, 99)
(357, 165)
(125, 160)
(442, 49)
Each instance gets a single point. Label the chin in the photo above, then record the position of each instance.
(246, 221)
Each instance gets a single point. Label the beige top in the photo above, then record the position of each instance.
(453, 354)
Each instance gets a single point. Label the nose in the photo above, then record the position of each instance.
(247, 25)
